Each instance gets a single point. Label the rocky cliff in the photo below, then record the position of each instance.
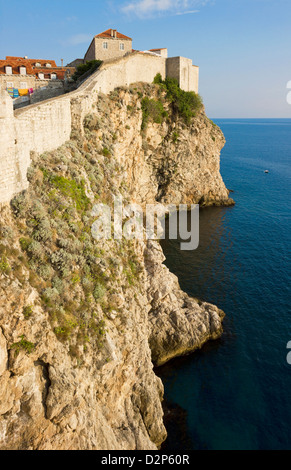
(83, 321)
(170, 161)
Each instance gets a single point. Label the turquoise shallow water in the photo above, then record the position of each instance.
(237, 391)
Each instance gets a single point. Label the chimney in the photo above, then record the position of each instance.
(115, 33)
(112, 32)
(62, 60)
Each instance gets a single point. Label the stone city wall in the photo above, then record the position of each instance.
(47, 125)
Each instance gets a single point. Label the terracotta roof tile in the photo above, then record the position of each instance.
(107, 35)
(31, 61)
(31, 69)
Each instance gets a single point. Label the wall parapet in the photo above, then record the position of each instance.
(46, 125)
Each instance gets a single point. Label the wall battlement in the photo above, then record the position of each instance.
(47, 125)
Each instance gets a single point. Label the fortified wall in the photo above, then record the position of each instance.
(47, 125)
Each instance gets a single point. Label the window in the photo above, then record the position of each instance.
(105, 45)
(41, 76)
(22, 70)
(23, 85)
(9, 84)
(121, 46)
(37, 64)
(8, 70)
(48, 65)
(53, 76)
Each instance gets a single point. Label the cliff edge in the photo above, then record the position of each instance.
(83, 321)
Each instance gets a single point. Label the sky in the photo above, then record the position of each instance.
(243, 47)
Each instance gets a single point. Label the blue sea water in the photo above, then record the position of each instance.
(237, 390)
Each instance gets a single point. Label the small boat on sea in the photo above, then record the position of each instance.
(266, 171)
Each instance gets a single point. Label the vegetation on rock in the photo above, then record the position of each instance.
(74, 277)
(24, 345)
(152, 110)
(185, 103)
(88, 68)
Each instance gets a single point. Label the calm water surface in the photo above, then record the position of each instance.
(237, 391)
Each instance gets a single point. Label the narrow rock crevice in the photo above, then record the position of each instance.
(47, 382)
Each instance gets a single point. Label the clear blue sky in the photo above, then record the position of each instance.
(243, 47)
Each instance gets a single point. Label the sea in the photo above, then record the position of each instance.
(235, 393)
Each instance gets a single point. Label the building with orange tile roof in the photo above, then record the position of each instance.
(38, 68)
(108, 45)
(112, 45)
(22, 77)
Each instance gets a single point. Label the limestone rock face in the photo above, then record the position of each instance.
(3, 353)
(112, 400)
(179, 324)
(172, 163)
(106, 399)
(76, 391)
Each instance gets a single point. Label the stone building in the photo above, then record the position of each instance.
(113, 45)
(23, 78)
(108, 45)
(21, 69)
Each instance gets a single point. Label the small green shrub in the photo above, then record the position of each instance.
(27, 311)
(45, 271)
(43, 231)
(175, 137)
(99, 292)
(91, 122)
(88, 68)
(25, 243)
(50, 295)
(4, 265)
(158, 79)
(7, 232)
(102, 329)
(87, 284)
(185, 103)
(63, 332)
(19, 204)
(62, 261)
(72, 189)
(58, 284)
(76, 279)
(152, 110)
(35, 250)
(106, 152)
(24, 345)
(212, 123)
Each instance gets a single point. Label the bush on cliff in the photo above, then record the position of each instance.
(185, 103)
(158, 79)
(88, 68)
(152, 110)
